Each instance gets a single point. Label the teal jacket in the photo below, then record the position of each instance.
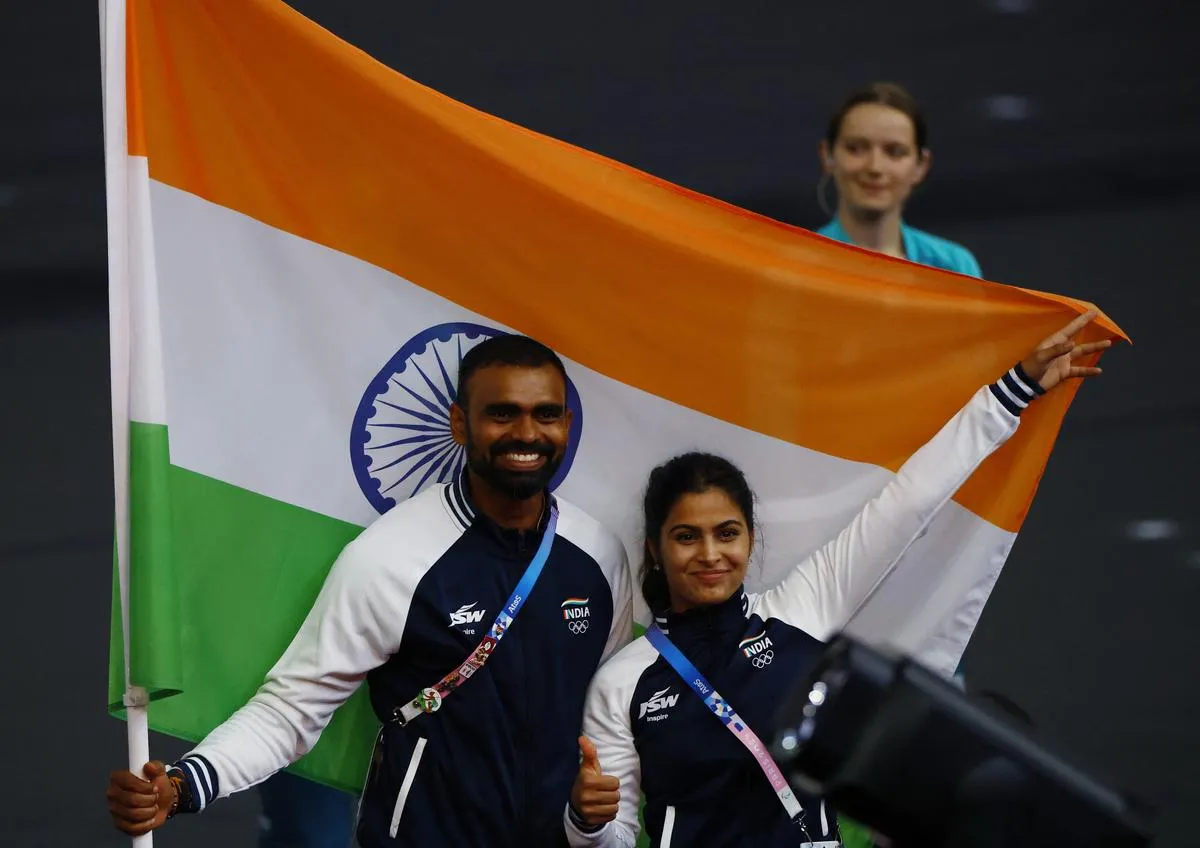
(920, 247)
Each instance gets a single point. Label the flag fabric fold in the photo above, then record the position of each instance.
(316, 240)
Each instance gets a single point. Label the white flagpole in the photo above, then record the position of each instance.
(116, 179)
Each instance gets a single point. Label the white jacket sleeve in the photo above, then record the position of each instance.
(353, 627)
(825, 590)
(606, 723)
(609, 553)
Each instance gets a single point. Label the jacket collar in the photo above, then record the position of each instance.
(467, 515)
(727, 616)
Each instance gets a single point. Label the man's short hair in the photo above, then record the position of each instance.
(520, 351)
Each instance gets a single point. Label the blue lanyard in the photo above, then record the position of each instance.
(429, 699)
(728, 716)
(525, 585)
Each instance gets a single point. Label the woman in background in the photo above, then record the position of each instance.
(876, 152)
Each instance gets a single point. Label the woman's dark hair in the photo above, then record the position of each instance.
(885, 94)
(686, 474)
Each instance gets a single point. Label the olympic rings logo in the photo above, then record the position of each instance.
(764, 659)
(578, 627)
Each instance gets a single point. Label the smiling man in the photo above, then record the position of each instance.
(487, 577)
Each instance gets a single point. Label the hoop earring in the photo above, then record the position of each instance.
(822, 191)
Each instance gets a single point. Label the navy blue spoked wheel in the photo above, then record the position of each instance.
(400, 441)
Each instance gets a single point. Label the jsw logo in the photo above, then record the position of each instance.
(660, 700)
(466, 615)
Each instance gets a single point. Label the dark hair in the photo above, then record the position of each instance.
(686, 474)
(885, 94)
(504, 350)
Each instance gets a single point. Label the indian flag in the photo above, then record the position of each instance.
(303, 244)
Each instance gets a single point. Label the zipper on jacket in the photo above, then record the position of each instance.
(377, 754)
(526, 746)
